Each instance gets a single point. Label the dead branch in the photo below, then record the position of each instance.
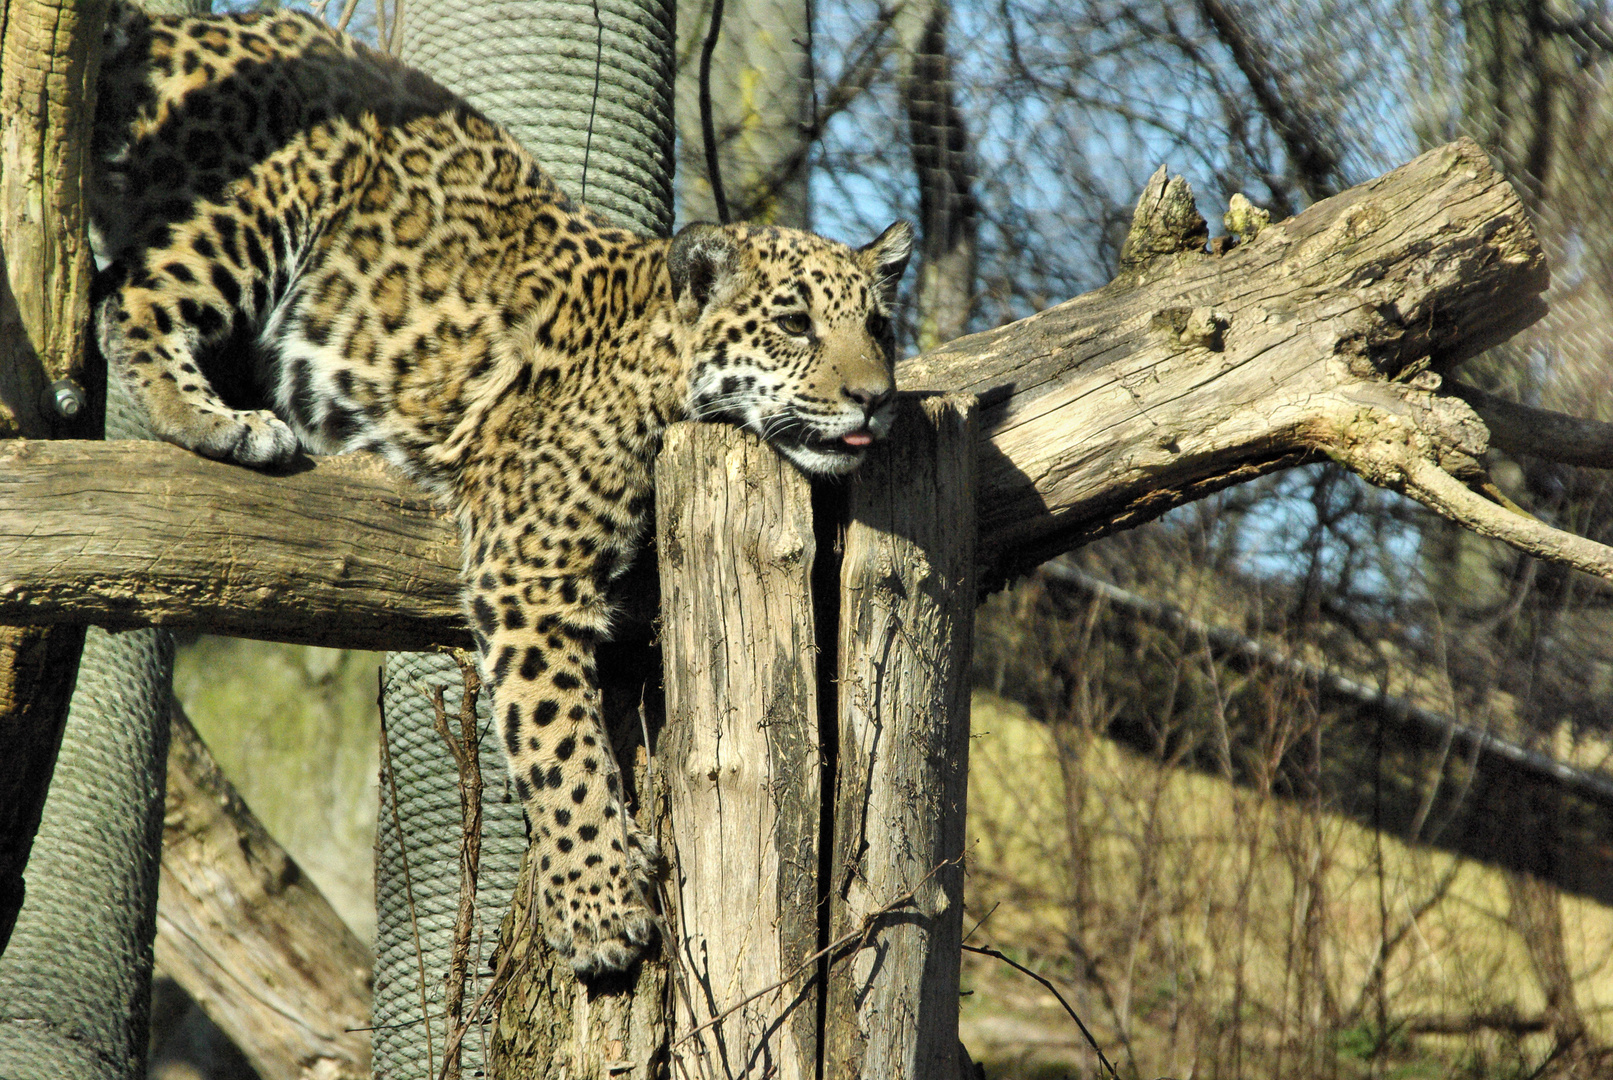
(1322, 335)
(1541, 433)
(249, 937)
(1047, 984)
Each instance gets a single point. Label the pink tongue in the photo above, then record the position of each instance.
(858, 438)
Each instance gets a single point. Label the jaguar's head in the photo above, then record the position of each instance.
(789, 335)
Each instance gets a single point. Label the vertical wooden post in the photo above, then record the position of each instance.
(750, 902)
(49, 52)
(907, 587)
(739, 754)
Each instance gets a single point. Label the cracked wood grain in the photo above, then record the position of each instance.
(907, 600)
(740, 752)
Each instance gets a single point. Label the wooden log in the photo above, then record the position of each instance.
(907, 600)
(1197, 370)
(739, 754)
(1193, 371)
(345, 552)
(49, 52)
(249, 937)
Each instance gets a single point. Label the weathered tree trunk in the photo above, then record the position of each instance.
(907, 600)
(740, 753)
(249, 937)
(816, 750)
(1193, 371)
(48, 58)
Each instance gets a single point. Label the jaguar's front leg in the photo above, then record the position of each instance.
(593, 864)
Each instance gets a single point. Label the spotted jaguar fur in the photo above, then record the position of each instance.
(310, 244)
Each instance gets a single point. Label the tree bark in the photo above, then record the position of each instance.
(740, 753)
(49, 54)
(907, 601)
(48, 57)
(249, 937)
(1322, 335)
(815, 752)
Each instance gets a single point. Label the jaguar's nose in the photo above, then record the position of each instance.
(869, 397)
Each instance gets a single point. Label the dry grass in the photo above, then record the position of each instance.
(1205, 929)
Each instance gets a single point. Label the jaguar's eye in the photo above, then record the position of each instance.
(878, 325)
(798, 323)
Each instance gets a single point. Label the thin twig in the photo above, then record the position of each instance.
(468, 760)
(1096, 1049)
(403, 857)
(346, 16)
(864, 930)
(982, 921)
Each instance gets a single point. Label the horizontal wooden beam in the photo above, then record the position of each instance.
(339, 551)
(1321, 335)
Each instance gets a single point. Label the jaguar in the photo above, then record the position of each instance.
(308, 246)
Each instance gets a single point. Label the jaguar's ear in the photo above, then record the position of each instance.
(885, 257)
(704, 263)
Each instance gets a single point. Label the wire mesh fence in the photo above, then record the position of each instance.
(1016, 135)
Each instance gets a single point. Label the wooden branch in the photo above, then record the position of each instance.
(1541, 433)
(1198, 371)
(344, 552)
(249, 937)
(1191, 372)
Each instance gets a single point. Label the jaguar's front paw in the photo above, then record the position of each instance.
(247, 437)
(595, 897)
